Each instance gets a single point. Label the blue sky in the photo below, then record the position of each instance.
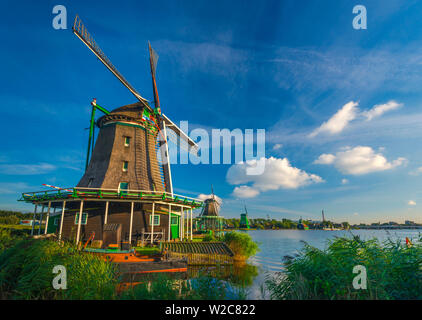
(341, 107)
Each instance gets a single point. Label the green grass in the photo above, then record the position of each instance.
(241, 244)
(148, 250)
(26, 272)
(393, 271)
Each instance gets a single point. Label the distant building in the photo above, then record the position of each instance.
(409, 223)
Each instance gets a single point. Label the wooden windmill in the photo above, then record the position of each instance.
(209, 218)
(140, 124)
(127, 183)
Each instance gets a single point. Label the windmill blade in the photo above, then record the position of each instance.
(193, 147)
(81, 32)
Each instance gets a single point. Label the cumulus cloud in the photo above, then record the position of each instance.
(339, 120)
(360, 160)
(380, 109)
(325, 159)
(344, 181)
(245, 192)
(411, 203)
(278, 173)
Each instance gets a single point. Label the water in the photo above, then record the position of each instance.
(275, 244)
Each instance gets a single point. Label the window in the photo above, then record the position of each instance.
(156, 219)
(90, 182)
(123, 186)
(174, 221)
(125, 166)
(127, 141)
(56, 221)
(84, 218)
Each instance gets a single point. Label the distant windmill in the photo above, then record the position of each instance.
(209, 218)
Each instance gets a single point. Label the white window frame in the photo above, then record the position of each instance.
(150, 220)
(123, 167)
(82, 221)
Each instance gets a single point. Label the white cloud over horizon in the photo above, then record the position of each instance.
(411, 203)
(278, 173)
(359, 160)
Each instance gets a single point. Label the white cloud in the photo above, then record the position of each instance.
(361, 160)
(245, 192)
(339, 121)
(411, 203)
(355, 214)
(380, 109)
(416, 172)
(325, 159)
(278, 173)
(349, 112)
(344, 181)
(204, 197)
(277, 146)
(15, 187)
(26, 169)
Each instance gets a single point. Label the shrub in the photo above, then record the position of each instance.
(241, 244)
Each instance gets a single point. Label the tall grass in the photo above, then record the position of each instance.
(26, 272)
(393, 271)
(241, 244)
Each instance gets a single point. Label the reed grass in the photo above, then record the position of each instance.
(393, 271)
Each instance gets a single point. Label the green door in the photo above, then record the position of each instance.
(174, 226)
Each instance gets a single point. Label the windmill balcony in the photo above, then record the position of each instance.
(78, 193)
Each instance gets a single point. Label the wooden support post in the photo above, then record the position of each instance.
(33, 219)
(187, 224)
(106, 213)
(169, 231)
(40, 220)
(182, 221)
(131, 222)
(152, 222)
(191, 224)
(47, 218)
(79, 222)
(61, 221)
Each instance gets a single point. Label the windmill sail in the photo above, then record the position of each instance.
(81, 32)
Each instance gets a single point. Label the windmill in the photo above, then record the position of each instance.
(244, 221)
(126, 188)
(209, 218)
(153, 120)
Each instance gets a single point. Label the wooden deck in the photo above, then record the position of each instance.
(199, 253)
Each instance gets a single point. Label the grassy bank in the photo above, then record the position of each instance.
(393, 271)
(26, 267)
